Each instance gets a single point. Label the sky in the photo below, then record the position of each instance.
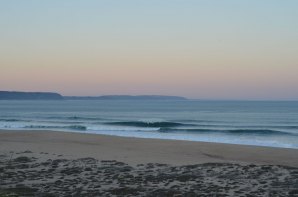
(205, 49)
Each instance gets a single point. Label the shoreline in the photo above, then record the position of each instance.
(142, 150)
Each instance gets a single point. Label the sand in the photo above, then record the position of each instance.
(136, 150)
(53, 163)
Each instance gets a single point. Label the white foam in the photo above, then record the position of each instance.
(152, 120)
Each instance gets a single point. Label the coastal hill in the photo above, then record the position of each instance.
(7, 95)
(13, 95)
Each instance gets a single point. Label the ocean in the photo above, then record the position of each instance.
(261, 123)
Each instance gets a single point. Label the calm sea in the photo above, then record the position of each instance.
(263, 123)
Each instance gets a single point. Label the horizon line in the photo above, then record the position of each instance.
(188, 98)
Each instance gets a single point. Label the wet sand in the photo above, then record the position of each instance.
(135, 150)
(53, 163)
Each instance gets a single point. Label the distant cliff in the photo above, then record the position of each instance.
(6, 95)
(125, 97)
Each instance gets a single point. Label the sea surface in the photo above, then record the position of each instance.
(262, 123)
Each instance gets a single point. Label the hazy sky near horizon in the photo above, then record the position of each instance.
(210, 49)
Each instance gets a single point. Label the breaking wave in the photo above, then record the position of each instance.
(160, 124)
(10, 120)
(71, 127)
(231, 131)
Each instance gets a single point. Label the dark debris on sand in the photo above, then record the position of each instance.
(29, 176)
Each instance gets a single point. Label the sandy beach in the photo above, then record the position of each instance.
(49, 163)
(136, 150)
